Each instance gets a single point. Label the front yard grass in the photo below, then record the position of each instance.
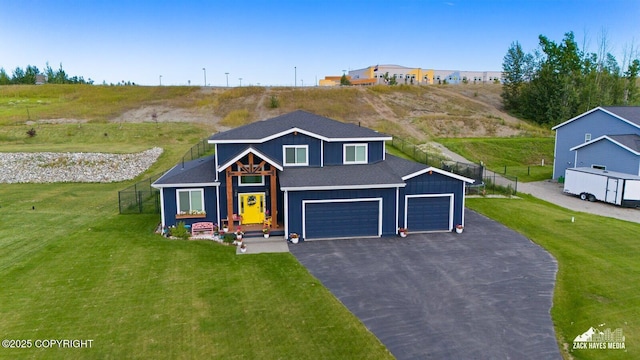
(75, 269)
(598, 269)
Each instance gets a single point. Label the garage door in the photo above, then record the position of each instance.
(341, 218)
(429, 213)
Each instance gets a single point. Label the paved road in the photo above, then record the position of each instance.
(482, 294)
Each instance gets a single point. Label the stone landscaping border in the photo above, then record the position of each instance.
(50, 167)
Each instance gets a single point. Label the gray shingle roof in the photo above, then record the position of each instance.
(631, 113)
(369, 175)
(199, 171)
(632, 141)
(402, 166)
(303, 120)
(388, 172)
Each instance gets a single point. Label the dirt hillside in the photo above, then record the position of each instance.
(420, 113)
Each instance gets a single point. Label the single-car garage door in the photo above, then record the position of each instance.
(341, 218)
(429, 212)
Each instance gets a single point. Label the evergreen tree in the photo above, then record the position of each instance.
(516, 67)
(4, 77)
(18, 76)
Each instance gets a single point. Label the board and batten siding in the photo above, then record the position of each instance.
(295, 199)
(569, 135)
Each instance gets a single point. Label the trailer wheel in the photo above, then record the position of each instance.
(583, 196)
(591, 198)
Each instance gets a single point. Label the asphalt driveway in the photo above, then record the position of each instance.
(482, 294)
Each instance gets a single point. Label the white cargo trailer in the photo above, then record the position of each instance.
(608, 186)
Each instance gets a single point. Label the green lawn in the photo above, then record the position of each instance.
(597, 281)
(74, 269)
(522, 156)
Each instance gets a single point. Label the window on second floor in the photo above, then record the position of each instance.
(587, 137)
(190, 200)
(355, 154)
(296, 155)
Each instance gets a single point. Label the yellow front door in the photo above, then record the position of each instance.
(252, 208)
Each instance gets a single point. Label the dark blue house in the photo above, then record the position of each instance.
(606, 138)
(317, 177)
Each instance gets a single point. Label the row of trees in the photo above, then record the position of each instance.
(559, 81)
(28, 76)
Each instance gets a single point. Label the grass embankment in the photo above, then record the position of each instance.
(19, 103)
(522, 156)
(72, 268)
(598, 269)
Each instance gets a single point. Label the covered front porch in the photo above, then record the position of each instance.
(251, 193)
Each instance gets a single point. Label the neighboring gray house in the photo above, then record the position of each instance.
(606, 137)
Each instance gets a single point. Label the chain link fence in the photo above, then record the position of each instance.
(141, 198)
(471, 171)
(487, 182)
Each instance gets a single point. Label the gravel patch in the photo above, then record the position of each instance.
(50, 167)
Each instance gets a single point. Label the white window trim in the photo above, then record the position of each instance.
(240, 183)
(178, 191)
(587, 137)
(366, 153)
(284, 155)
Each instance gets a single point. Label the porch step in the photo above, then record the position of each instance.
(258, 244)
(258, 233)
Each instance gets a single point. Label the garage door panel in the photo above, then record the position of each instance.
(341, 219)
(428, 213)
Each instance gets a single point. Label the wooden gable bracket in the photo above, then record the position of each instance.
(252, 169)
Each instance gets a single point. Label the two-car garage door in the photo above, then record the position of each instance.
(341, 218)
(348, 218)
(429, 212)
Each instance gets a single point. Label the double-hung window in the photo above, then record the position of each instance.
(296, 155)
(355, 154)
(190, 201)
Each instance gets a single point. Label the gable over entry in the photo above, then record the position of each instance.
(250, 168)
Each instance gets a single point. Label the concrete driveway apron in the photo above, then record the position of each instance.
(482, 294)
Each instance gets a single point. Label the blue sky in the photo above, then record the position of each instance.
(275, 42)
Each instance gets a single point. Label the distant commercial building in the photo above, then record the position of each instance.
(41, 79)
(382, 74)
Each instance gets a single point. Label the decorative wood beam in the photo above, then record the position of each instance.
(229, 198)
